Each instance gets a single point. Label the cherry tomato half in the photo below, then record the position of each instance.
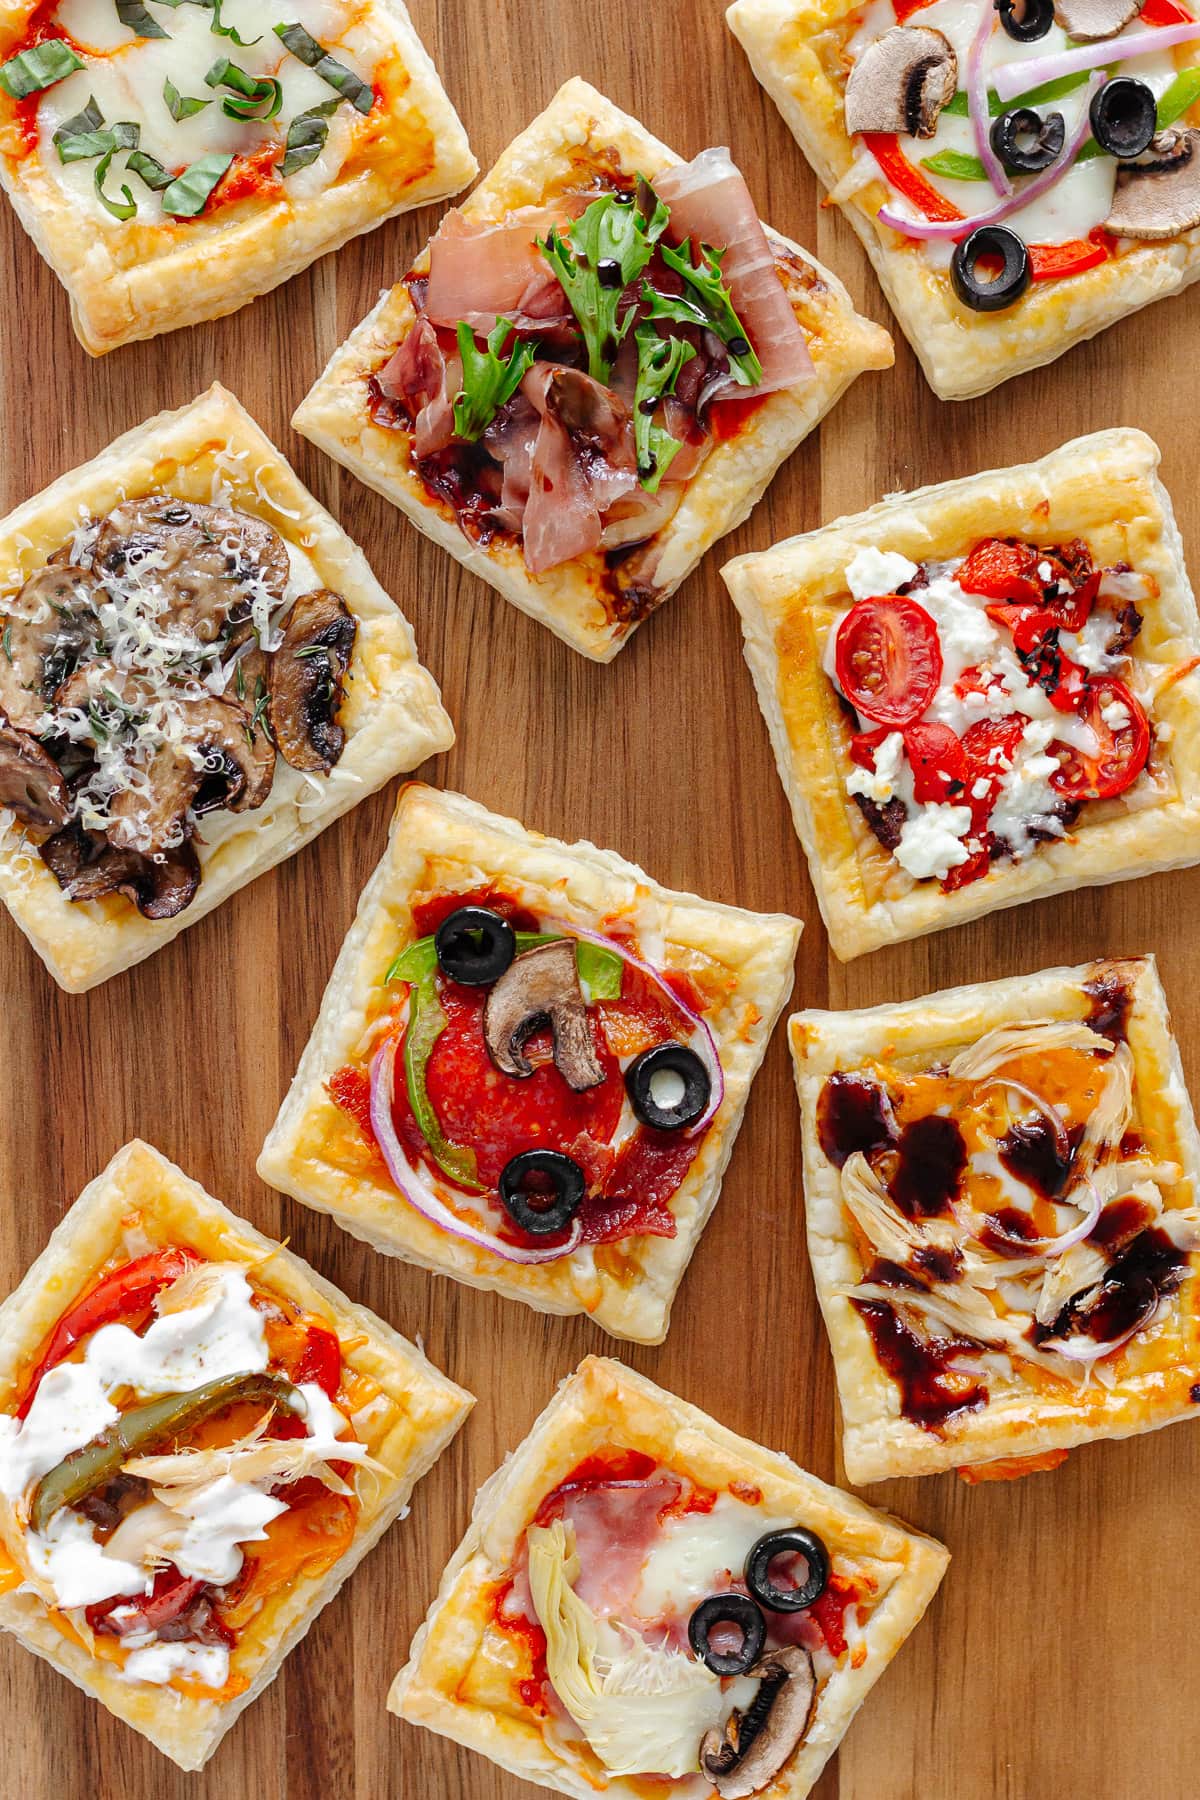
(988, 748)
(1002, 570)
(1124, 749)
(889, 659)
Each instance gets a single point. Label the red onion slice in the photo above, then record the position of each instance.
(1086, 1350)
(977, 102)
(1055, 1246)
(1048, 1112)
(1018, 77)
(954, 229)
(413, 1186)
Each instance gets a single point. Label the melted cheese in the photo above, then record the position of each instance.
(205, 1664)
(697, 1555)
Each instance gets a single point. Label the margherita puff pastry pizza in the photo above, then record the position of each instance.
(198, 673)
(200, 1439)
(530, 1065)
(647, 1604)
(1002, 1219)
(172, 160)
(1022, 173)
(592, 372)
(984, 692)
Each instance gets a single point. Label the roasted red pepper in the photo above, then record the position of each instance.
(1003, 569)
(170, 1596)
(320, 1360)
(885, 148)
(1053, 262)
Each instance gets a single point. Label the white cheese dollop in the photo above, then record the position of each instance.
(931, 844)
(205, 1664)
(870, 572)
(890, 777)
(67, 1556)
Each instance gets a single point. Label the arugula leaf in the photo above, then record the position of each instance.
(707, 303)
(306, 48)
(306, 136)
(38, 67)
(135, 16)
(659, 362)
(955, 165)
(181, 106)
(487, 381)
(189, 193)
(253, 93)
(606, 248)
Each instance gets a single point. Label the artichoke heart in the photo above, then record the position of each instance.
(643, 1710)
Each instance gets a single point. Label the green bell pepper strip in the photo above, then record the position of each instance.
(142, 1429)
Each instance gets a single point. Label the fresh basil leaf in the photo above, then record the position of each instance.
(150, 170)
(38, 67)
(218, 26)
(659, 362)
(189, 193)
(706, 302)
(90, 119)
(601, 971)
(254, 92)
(181, 106)
(306, 136)
(487, 380)
(119, 209)
(1183, 93)
(606, 248)
(135, 16)
(83, 146)
(306, 48)
(955, 165)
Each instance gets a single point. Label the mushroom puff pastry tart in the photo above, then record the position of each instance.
(646, 1603)
(592, 372)
(530, 1065)
(199, 1440)
(1022, 173)
(984, 692)
(171, 161)
(1002, 1219)
(198, 673)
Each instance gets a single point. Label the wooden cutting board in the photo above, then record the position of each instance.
(1060, 1659)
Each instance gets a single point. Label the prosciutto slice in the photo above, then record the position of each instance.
(420, 377)
(584, 461)
(710, 203)
(479, 273)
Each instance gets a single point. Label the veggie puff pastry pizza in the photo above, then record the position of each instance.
(983, 692)
(199, 1441)
(592, 372)
(1002, 1219)
(530, 1065)
(173, 160)
(198, 673)
(647, 1604)
(1022, 172)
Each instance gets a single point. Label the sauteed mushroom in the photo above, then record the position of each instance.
(87, 867)
(756, 1744)
(51, 624)
(901, 82)
(307, 679)
(236, 775)
(1159, 197)
(541, 987)
(205, 560)
(31, 783)
(1091, 20)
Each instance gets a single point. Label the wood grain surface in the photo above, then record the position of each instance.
(1060, 1658)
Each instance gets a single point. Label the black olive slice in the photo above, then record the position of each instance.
(728, 1609)
(1026, 20)
(541, 1191)
(474, 946)
(667, 1066)
(1124, 116)
(795, 1542)
(1026, 142)
(1006, 288)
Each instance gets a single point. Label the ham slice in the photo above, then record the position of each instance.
(710, 203)
(422, 380)
(479, 273)
(511, 439)
(583, 463)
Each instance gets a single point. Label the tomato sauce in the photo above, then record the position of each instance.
(253, 175)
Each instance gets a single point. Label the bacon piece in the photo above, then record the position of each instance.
(480, 272)
(615, 1529)
(710, 202)
(584, 461)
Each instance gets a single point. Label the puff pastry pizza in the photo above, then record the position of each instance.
(983, 692)
(171, 161)
(1021, 175)
(198, 672)
(1002, 1219)
(530, 1065)
(199, 1441)
(647, 1603)
(587, 379)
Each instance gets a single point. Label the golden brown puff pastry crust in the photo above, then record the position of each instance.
(417, 1413)
(1103, 489)
(1155, 1377)
(581, 131)
(392, 712)
(444, 843)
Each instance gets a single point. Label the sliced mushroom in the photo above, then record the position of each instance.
(206, 560)
(756, 1744)
(87, 867)
(307, 678)
(31, 782)
(236, 775)
(901, 82)
(51, 624)
(1091, 20)
(541, 987)
(1160, 196)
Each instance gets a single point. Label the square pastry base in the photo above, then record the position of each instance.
(579, 135)
(1103, 489)
(459, 1680)
(442, 843)
(796, 50)
(392, 713)
(417, 1412)
(1029, 1412)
